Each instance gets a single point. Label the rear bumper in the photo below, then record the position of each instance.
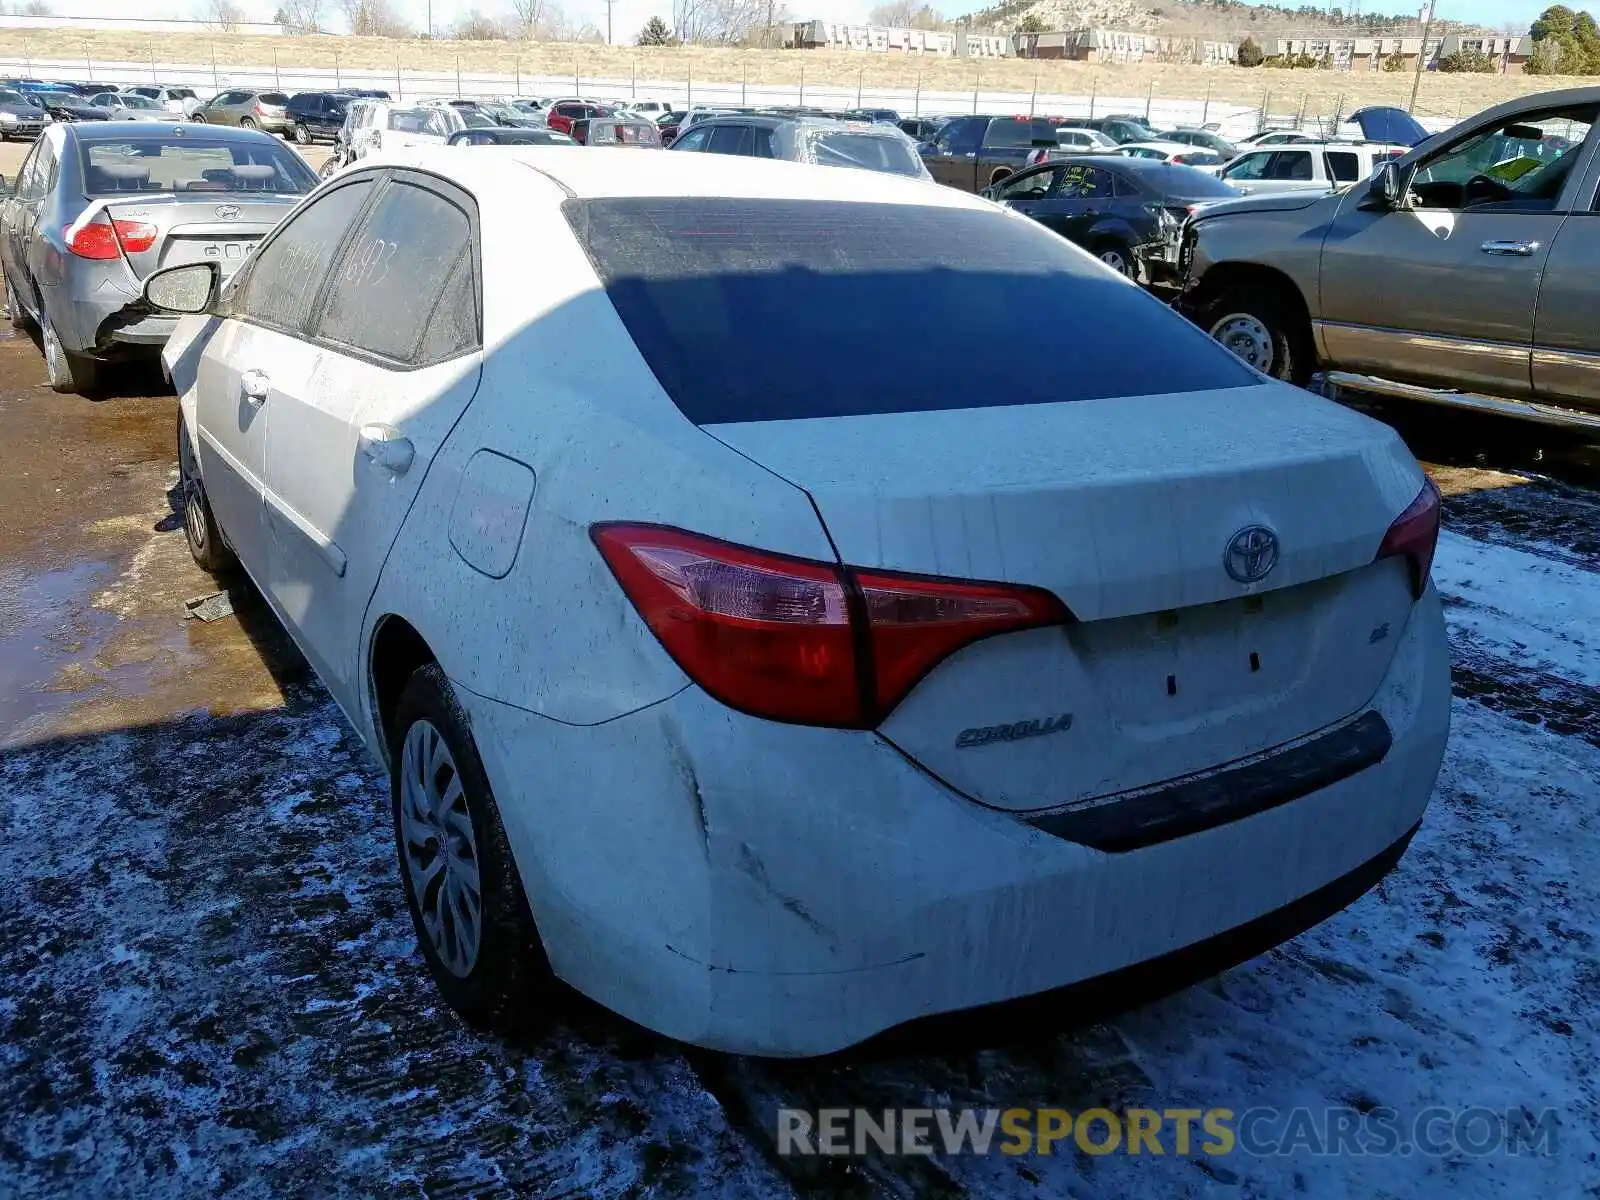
(99, 315)
(779, 890)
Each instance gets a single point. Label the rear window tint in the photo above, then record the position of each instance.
(770, 310)
(272, 97)
(872, 151)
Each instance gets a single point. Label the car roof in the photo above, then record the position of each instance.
(596, 173)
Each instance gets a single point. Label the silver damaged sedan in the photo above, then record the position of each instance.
(97, 207)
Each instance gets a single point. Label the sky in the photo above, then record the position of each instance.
(628, 15)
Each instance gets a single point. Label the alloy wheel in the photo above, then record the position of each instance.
(441, 851)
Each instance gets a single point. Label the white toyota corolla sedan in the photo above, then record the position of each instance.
(767, 677)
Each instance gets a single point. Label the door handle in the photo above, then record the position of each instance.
(255, 385)
(1516, 249)
(386, 446)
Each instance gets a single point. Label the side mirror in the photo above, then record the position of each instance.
(990, 192)
(1384, 190)
(187, 289)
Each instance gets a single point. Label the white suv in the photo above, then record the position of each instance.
(1306, 167)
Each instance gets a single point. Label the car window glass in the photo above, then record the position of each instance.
(695, 139)
(730, 139)
(394, 272)
(1523, 162)
(1007, 134)
(286, 273)
(1079, 181)
(1290, 164)
(1343, 166)
(1251, 166)
(1034, 185)
(765, 144)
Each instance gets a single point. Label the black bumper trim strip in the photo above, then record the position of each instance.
(1191, 806)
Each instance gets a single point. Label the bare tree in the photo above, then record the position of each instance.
(475, 27)
(300, 16)
(35, 8)
(222, 14)
(555, 26)
(906, 14)
(374, 18)
(729, 22)
(527, 15)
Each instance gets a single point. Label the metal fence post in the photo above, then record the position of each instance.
(802, 85)
(1261, 121)
(859, 74)
(1301, 119)
(977, 79)
(1205, 112)
(152, 67)
(1033, 100)
(1149, 98)
(634, 95)
(916, 102)
(1094, 88)
(577, 88)
(88, 60)
(215, 87)
(276, 82)
(337, 82)
(689, 99)
(458, 72)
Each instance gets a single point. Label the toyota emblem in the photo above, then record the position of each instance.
(1251, 554)
(227, 212)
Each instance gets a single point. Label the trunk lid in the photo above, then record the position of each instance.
(1124, 508)
(224, 227)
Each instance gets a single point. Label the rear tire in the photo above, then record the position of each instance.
(246, 123)
(1262, 327)
(302, 135)
(198, 119)
(206, 544)
(67, 372)
(485, 956)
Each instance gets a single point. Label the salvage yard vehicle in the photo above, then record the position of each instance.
(868, 146)
(18, 117)
(971, 153)
(771, 695)
(248, 109)
(126, 106)
(1179, 153)
(179, 101)
(98, 206)
(619, 130)
(1312, 167)
(1114, 208)
(317, 115)
(1466, 273)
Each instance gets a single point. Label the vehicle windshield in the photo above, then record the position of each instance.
(138, 102)
(841, 148)
(777, 309)
(474, 118)
(193, 164)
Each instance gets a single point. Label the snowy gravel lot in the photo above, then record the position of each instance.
(209, 986)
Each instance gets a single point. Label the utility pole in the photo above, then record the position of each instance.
(609, 3)
(1422, 53)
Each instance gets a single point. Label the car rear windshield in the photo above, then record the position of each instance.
(771, 310)
(192, 164)
(870, 150)
(272, 98)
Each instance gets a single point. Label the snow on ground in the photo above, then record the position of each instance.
(210, 987)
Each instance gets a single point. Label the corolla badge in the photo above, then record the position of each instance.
(227, 212)
(1251, 554)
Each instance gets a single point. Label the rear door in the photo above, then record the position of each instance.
(1566, 333)
(954, 161)
(257, 356)
(392, 365)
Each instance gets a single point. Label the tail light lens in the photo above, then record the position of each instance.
(136, 236)
(797, 640)
(94, 239)
(1415, 535)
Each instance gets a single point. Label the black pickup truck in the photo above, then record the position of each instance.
(972, 153)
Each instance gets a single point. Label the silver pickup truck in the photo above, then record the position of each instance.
(1466, 272)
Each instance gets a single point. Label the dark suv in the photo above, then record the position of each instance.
(317, 115)
(971, 153)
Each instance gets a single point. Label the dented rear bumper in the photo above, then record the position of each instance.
(788, 891)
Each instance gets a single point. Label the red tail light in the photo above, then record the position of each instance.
(259, 109)
(136, 236)
(96, 239)
(796, 640)
(1415, 535)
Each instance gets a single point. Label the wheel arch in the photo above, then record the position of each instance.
(396, 652)
(1224, 276)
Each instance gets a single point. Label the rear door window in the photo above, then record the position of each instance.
(410, 260)
(730, 139)
(1344, 166)
(286, 274)
(1005, 133)
(1290, 164)
(766, 309)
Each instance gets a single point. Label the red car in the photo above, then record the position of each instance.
(562, 115)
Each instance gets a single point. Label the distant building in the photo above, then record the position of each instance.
(840, 35)
(1116, 46)
(1369, 53)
